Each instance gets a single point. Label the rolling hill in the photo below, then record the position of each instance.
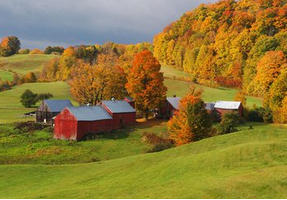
(11, 109)
(24, 63)
(246, 164)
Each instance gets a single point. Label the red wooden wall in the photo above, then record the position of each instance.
(66, 126)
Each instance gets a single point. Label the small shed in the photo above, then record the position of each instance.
(73, 123)
(122, 112)
(223, 107)
(50, 108)
(131, 101)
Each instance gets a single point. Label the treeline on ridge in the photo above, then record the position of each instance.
(229, 43)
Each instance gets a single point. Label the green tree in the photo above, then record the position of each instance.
(229, 123)
(9, 46)
(28, 99)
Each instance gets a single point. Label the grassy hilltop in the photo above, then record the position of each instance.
(24, 63)
(246, 164)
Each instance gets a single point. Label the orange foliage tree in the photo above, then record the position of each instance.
(145, 82)
(191, 122)
(268, 69)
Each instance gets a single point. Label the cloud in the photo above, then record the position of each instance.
(39, 23)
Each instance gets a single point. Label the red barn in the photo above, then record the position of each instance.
(223, 107)
(74, 122)
(122, 112)
(169, 107)
(131, 101)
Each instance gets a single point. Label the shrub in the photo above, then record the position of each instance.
(159, 143)
(229, 122)
(24, 51)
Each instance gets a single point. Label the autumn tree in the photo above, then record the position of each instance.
(50, 69)
(36, 51)
(240, 97)
(9, 46)
(268, 69)
(145, 82)
(30, 77)
(67, 61)
(191, 122)
(93, 83)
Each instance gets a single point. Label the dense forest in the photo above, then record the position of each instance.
(240, 44)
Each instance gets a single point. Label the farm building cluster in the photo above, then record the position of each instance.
(217, 109)
(73, 123)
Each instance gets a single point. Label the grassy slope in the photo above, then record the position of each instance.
(25, 63)
(5, 75)
(246, 164)
(11, 108)
(179, 88)
(40, 148)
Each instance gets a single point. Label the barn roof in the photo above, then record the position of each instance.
(89, 113)
(209, 106)
(58, 105)
(129, 99)
(119, 106)
(231, 105)
(174, 101)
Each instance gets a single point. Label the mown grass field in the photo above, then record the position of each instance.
(11, 109)
(246, 164)
(25, 146)
(5, 75)
(179, 88)
(24, 63)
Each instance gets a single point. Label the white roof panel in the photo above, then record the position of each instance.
(174, 101)
(231, 105)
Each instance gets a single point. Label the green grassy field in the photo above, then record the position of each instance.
(5, 75)
(39, 147)
(246, 164)
(25, 63)
(11, 109)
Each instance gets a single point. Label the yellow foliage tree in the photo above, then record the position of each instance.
(93, 83)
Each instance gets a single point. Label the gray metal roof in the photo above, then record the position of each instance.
(209, 106)
(58, 105)
(174, 101)
(90, 113)
(130, 99)
(119, 106)
(231, 105)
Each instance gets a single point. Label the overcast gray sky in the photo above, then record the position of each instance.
(39, 23)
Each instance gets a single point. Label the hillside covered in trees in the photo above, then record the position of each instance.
(240, 44)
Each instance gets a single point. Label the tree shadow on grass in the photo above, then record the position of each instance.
(126, 131)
